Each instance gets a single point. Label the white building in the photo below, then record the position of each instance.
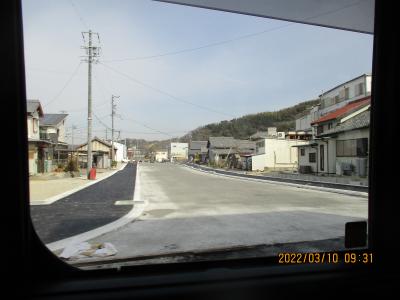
(335, 98)
(121, 152)
(276, 153)
(178, 151)
(161, 156)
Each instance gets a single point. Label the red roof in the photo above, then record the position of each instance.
(352, 106)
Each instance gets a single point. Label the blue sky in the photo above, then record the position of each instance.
(265, 72)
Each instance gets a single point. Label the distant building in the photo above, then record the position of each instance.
(198, 148)
(101, 151)
(178, 151)
(274, 152)
(133, 153)
(120, 152)
(219, 148)
(231, 152)
(161, 156)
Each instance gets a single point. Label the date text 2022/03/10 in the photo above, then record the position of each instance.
(326, 258)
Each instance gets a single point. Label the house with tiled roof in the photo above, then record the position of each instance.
(334, 99)
(199, 149)
(101, 151)
(330, 120)
(52, 130)
(341, 141)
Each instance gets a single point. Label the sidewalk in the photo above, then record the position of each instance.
(50, 185)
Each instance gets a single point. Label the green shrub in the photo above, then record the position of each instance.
(72, 166)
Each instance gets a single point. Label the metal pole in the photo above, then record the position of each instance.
(113, 106)
(89, 133)
(72, 137)
(112, 129)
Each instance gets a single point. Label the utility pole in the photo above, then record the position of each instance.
(125, 151)
(92, 52)
(72, 140)
(113, 107)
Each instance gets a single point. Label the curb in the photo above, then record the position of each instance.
(55, 198)
(135, 212)
(239, 176)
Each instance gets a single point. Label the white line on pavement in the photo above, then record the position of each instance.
(134, 213)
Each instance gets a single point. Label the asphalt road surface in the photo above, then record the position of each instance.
(189, 210)
(86, 209)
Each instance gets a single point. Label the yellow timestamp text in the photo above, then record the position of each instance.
(326, 258)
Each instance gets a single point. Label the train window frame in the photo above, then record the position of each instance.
(59, 278)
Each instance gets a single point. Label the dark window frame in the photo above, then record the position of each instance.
(312, 157)
(322, 157)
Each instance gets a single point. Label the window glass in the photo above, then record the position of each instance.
(167, 133)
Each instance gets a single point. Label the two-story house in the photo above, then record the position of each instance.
(52, 129)
(36, 146)
(335, 98)
(336, 106)
(340, 145)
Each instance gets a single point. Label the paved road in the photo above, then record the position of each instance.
(193, 211)
(87, 209)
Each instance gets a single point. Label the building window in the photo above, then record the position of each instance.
(312, 158)
(337, 99)
(35, 125)
(322, 157)
(341, 95)
(362, 147)
(330, 125)
(352, 148)
(359, 89)
(347, 93)
(320, 129)
(302, 151)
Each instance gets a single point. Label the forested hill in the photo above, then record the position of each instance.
(240, 128)
(243, 127)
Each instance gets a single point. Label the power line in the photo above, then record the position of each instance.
(166, 93)
(101, 122)
(65, 85)
(80, 17)
(241, 37)
(199, 47)
(148, 127)
(46, 70)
